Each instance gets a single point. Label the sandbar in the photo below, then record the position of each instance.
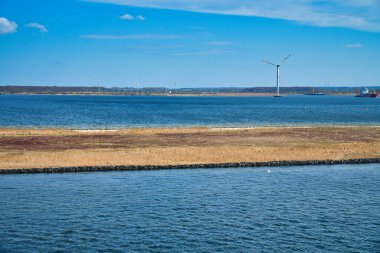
(60, 148)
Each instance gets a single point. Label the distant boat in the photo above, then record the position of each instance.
(365, 93)
(313, 93)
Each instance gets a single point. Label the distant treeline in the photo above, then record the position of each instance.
(162, 90)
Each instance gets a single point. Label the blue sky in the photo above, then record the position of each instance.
(195, 43)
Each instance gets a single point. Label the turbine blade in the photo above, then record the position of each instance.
(287, 57)
(270, 63)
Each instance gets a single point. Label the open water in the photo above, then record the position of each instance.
(100, 112)
(291, 209)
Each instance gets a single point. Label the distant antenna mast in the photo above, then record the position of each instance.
(278, 73)
(137, 87)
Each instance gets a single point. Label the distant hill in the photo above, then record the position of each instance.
(9, 89)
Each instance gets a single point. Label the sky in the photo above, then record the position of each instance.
(189, 43)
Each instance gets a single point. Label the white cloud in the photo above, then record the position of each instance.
(146, 36)
(356, 45)
(130, 17)
(127, 17)
(40, 27)
(7, 26)
(353, 14)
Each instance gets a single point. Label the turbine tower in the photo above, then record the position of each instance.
(278, 73)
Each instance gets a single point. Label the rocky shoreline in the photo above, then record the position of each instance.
(187, 166)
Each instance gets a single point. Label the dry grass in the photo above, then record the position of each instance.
(29, 148)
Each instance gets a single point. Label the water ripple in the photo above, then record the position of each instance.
(99, 112)
(308, 209)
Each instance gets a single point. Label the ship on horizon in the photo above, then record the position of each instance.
(365, 93)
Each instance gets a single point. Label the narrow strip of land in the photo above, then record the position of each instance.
(53, 148)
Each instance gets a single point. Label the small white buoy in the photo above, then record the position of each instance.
(269, 171)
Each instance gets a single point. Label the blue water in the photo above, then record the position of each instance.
(291, 209)
(99, 112)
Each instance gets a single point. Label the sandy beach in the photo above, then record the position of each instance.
(46, 148)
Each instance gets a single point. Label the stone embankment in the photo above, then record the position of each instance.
(188, 166)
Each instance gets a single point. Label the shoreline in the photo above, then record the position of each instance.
(174, 127)
(221, 94)
(82, 169)
(65, 150)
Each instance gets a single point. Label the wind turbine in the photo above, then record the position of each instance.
(278, 73)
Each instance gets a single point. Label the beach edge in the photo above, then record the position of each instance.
(73, 169)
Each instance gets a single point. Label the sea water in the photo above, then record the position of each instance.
(100, 112)
(291, 209)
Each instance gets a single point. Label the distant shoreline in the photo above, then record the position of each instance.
(183, 91)
(64, 150)
(232, 94)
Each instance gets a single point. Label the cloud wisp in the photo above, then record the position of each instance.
(353, 14)
(7, 26)
(130, 17)
(145, 36)
(356, 45)
(40, 27)
(127, 17)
